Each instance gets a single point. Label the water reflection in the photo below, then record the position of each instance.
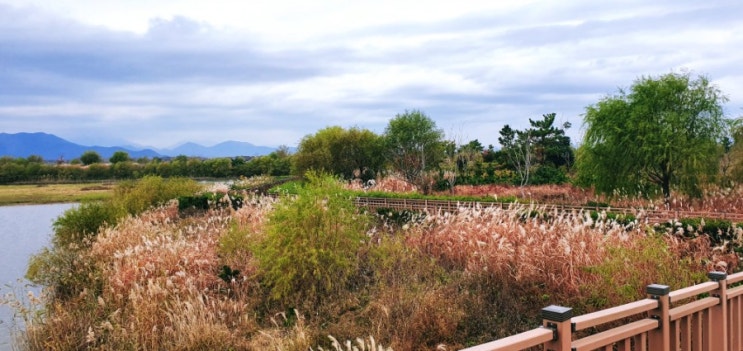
(24, 230)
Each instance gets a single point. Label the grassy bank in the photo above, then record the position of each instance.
(283, 274)
(54, 193)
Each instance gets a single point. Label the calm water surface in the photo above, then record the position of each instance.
(24, 230)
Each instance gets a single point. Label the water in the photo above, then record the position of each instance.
(24, 230)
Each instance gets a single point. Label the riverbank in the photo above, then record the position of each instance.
(54, 193)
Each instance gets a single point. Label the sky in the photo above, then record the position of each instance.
(159, 73)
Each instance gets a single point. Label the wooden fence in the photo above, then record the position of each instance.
(651, 216)
(703, 317)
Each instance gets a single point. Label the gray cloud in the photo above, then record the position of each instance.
(186, 80)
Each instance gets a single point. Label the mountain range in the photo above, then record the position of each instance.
(51, 147)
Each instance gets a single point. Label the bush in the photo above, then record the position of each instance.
(137, 196)
(81, 223)
(312, 240)
(400, 217)
(548, 175)
(718, 230)
(621, 218)
(654, 259)
(206, 201)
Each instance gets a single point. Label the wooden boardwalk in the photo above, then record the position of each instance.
(649, 216)
(703, 317)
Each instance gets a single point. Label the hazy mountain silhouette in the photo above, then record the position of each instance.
(51, 147)
(225, 149)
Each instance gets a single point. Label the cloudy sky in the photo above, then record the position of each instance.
(162, 72)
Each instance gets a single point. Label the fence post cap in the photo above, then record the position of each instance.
(556, 313)
(717, 276)
(657, 290)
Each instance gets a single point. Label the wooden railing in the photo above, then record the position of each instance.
(652, 216)
(703, 317)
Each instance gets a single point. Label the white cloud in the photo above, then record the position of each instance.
(273, 71)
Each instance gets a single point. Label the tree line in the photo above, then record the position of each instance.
(91, 166)
(663, 134)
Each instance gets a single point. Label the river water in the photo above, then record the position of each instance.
(24, 230)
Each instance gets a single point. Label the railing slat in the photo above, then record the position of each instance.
(734, 278)
(693, 307)
(612, 336)
(521, 341)
(612, 314)
(685, 293)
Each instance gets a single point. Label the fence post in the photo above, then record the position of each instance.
(660, 339)
(558, 318)
(718, 314)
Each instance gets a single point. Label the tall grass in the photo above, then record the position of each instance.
(443, 281)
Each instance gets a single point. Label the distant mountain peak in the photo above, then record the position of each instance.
(51, 147)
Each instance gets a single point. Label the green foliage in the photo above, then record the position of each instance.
(352, 153)
(663, 133)
(548, 175)
(81, 223)
(287, 188)
(61, 269)
(543, 146)
(652, 262)
(137, 196)
(90, 157)
(209, 200)
(228, 274)
(718, 230)
(60, 266)
(621, 218)
(414, 146)
(400, 218)
(312, 242)
(237, 240)
(119, 156)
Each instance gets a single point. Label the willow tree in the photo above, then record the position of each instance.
(663, 133)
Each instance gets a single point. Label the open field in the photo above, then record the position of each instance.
(54, 193)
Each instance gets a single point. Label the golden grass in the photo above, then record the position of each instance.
(54, 193)
(449, 281)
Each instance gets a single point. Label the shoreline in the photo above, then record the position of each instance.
(40, 194)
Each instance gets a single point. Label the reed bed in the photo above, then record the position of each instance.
(439, 282)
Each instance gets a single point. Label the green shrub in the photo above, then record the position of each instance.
(237, 240)
(400, 217)
(291, 187)
(312, 240)
(596, 204)
(718, 230)
(621, 218)
(137, 196)
(548, 175)
(206, 201)
(652, 261)
(79, 223)
(62, 270)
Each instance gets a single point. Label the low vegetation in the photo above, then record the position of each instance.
(54, 193)
(284, 273)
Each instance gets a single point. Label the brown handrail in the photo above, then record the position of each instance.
(654, 216)
(708, 316)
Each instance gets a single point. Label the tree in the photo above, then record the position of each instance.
(119, 156)
(414, 147)
(664, 133)
(348, 153)
(312, 241)
(90, 157)
(551, 145)
(519, 147)
(540, 154)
